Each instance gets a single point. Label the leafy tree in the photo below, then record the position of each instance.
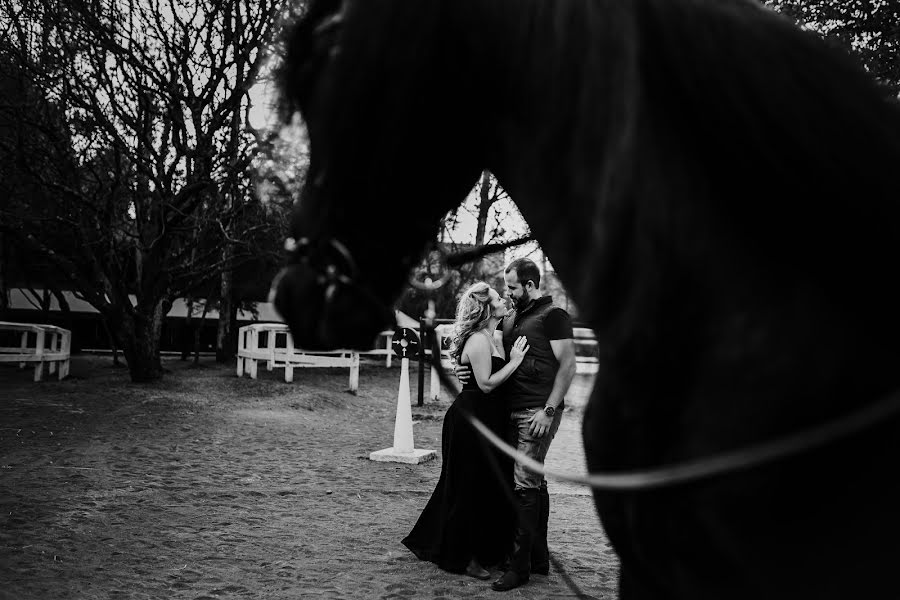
(869, 28)
(32, 133)
(154, 96)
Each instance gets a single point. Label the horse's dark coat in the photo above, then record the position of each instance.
(716, 187)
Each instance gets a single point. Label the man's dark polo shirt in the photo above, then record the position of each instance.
(530, 385)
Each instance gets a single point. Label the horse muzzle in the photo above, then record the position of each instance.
(327, 314)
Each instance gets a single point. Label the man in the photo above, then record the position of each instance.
(534, 394)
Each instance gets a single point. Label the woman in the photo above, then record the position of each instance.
(468, 522)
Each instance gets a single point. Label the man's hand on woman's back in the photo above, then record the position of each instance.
(463, 373)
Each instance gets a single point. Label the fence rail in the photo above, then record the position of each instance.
(286, 356)
(51, 346)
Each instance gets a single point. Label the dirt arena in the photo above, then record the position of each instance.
(209, 486)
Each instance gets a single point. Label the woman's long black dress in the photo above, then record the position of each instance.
(470, 513)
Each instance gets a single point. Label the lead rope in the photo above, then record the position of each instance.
(691, 471)
(685, 472)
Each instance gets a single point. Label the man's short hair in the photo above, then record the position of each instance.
(525, 269)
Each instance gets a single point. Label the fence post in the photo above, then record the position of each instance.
(354, 372)
(23, 346)
(67, 348)
(437, 342)
(423, 343)
(39, 353)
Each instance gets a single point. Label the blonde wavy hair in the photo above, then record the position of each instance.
(472, 314)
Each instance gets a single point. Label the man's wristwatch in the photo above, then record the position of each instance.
(549, 410)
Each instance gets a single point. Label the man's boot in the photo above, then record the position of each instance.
(528, 502)
(540, 553)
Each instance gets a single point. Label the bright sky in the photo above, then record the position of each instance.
(262, 113)
(505, 214)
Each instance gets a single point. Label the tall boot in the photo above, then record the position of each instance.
(528, 502)
(540, 553)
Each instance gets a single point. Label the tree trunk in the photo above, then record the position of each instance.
(484, 206)
(4, 292)
(224, 350)
(138, 336)
(42, 302)
(64, 308)
(198, 330)
(187, 332)
(231, 346)
(224, 353)
(113, 343)
(162, 309)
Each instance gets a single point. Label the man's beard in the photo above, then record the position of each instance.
(521, 302)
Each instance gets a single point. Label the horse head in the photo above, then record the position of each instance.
(371, 91)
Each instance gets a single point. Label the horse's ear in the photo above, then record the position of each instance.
(330, 24)
(304, 44)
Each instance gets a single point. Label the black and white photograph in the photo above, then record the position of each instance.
(449, 299)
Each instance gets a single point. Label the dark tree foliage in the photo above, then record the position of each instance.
(133, 176)
(869, 28)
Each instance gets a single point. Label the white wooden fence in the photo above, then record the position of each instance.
(285, 355)
(382, 347)
(585, 350)
(279, 352)
(38, 345)
(585, 341)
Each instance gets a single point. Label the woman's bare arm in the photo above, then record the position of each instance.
(477, 352)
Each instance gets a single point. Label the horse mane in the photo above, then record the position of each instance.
(405, 24)
(719, 114)
(726, 131)
(767, 141)
(795, 131)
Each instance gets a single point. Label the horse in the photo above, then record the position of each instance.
(716, 188)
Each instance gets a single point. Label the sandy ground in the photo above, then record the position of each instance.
(209, 486)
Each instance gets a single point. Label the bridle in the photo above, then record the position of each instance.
(330, 260)
(335, 268)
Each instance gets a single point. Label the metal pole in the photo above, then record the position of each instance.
(422, 346)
